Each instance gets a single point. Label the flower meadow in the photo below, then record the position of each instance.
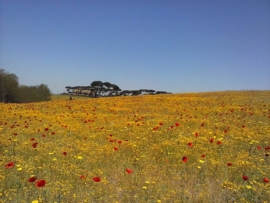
(193, 147)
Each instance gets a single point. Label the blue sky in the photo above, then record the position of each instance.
(173, 45)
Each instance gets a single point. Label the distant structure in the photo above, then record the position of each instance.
(106, 89)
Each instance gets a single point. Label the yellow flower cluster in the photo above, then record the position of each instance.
(196, 147)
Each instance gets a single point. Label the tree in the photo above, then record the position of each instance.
(161, 92)
(97, 84)
(10, 91)
(8, 86)
(107, 84)
(33, 93)
(115, 87)
(44, 92)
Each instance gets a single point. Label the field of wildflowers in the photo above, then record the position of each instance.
(196, 147)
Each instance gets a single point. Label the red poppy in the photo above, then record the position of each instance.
(155, 128)
(82, 177)
(64, 153)
(266, 180)
(160, 123)
(190, 144)
(96, 179)
(32, 139)
(259, 147)
(119, 142)
(115, 148)
(53, 133)
(10, 164)
(196, 134)
(32, 179)
(267, 148)
(229, 164)
(40, 183)
(177, 124)
(34, 145)
(46, 129)
(129, 171)
(184, 159)
(203, 156)
(219, 142)
(211, 140)
(245, 177)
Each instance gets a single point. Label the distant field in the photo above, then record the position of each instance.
(67, 97)
(196, 147)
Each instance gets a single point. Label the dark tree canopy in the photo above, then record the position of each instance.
(8, 86)
(104, 89)
(11, 91)
(96, 84)
(107, 84)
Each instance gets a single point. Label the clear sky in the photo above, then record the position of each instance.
(167, 45)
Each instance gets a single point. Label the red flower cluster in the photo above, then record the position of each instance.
(129, 171)
(97, 179)
(32, 179)
(245, 177)
(82, 177)
(155, 128)
(34, 145)
(40, 183)
(211, 140)
(184, 159)
(266, 180)
(10, 164)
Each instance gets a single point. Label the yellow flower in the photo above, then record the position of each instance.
(144, 187)
(79, 157)
(248, 187)
(35, 201)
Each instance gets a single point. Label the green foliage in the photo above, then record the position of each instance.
(107, 84)
(33, 93)
(96, 84)
(8, 86)
(11, 91)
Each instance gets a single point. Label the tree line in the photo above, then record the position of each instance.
(11, 91)
(103, 89)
